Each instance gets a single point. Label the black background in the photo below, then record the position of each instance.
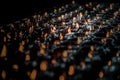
(11, 11)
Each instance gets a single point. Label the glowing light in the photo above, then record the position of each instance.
(78, 40)
(42, 51)
(43, 65)
(64, 54)
(4, 51)
(101, 74)
(109, 63)
(21, 48)
(33, 74)
(92, 48)
(90, 55)
(61, 36)
(3, 74)
(15, 66)
(69, 46)
(61, 77)
(27, 57)
(71, 70)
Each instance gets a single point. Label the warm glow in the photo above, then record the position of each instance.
(77, 25)
(33, 74)
(8, 35)
(62, 16)
(28, 73)
(101, 74)
(69, 46)
(103, 40)
(117, 54)
(62, 7)
(46, 14)
(4, 51)
(61, 36)
(92, 47)
(111, 31)
(91, 28)
(61, 77)
(3, 74)
(27, 57)
(23, 43)
(73, 1)
(45, 35)
(56, 42)
(74, 19)
(43, 65)
(59, 18)
(55, 11)
(87, 33)
(118, 27)
(65, 54)
(71, 70)
(42, 51)
(90, 55)
(30, 29)
(107, 34)
(63, 23)
(81, 15)
(69, 30)
(21, 48)
(53, 61)
(4, 39)
(109, 63)
(43, 46)
(15, 66)
(34, 16)
(78, 40)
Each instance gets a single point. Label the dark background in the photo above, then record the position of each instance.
(11, 11)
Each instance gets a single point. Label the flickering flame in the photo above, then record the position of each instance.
(9, 36)
(69, 30)
(71, 70)
(69, 46)
(90, 55)
(27, 57)
(46, 14)
(53, 61)
(21, 48)
(4, 39)
(81, 15)
(3, 74)
(61, 36)
(101, 74)
(107, 34)
(111, 31)
(92, 48)
(43, 66)
(78, 40)
(62, 16)
(86, 33)
(64, 54)
(109, 63)
(42, 51)
(15, 66)
(4, 51)
(73, 1)
(61, 77)
(33, 74)
(77, 25)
